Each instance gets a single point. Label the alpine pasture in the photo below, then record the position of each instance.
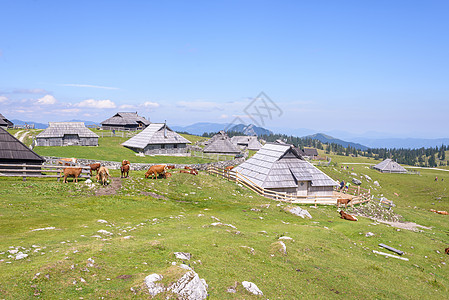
(87, 241)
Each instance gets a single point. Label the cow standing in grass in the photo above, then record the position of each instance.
(70, 171)
(103, 175)
(156, 170)
(124, 169)
(94, 167)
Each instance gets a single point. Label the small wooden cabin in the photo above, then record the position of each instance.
(157, 139)
(125, 121)
(67, 134)
(279, 167)
(5, 123)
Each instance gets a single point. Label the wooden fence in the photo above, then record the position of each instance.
(284, 197)
(40, 171)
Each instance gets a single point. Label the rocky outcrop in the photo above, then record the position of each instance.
(252, 288)
(298, 211)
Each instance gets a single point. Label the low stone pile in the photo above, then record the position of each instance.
(375, 210)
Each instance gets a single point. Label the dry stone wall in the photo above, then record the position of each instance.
(144, 166)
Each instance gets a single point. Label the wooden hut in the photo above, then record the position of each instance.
(280, 168)
(5, 123)
(246, 142)
(389, 166)
(156, 139)
(67, 134)
(221, 144)
(14, 152)
(125, 121)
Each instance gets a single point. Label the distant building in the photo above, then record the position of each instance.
(278, 167)
(125, 121)
(310, 153)
(156, 139)
(389, 166)
(67, 134)
(5, 123)
(246, 142)
(221, 144)
(13, 152)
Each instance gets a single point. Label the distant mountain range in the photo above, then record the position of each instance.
(372, 140)
(329, 139)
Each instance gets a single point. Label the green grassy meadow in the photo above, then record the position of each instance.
(327, 258)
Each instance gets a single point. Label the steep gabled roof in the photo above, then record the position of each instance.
(4, 121)
(155, 134)
(280, 166)
(250, 142)
(59, 129)
(222, 144)
(219, 135)
(390, 166)
(310, 151)
(13, 149)
(126, 118)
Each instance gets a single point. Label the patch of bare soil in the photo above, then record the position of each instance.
(111, 189)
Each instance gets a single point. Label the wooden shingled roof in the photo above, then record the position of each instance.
(59, 129)
(280, 166)
(390, 166)
(5, 122)
(222, 144)
(155, 134)
(126, 118)
(250, 142)
(13, 149)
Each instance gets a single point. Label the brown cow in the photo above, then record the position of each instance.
(94, 167)
(70, 171)
(446, 250)
(155, 171)
(167, 175)
(441, 212)
(67, 161)
(344, 201)
(103, 175)
(125, 162)
(193, 172)
(188, 168)
(229, 168)
(124, 171)
(171, 167)
(346, 216)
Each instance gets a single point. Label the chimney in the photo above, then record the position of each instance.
(165, 129)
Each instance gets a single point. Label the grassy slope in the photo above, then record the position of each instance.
(110, 149)
(328, 257)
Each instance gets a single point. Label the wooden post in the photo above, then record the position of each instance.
(358, 190)
(24, 172)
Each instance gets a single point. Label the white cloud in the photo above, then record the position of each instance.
(91, 86)
(127, 106)
(224, 116)
(31, 91)
(151, 104)
(3, 99)
(69, 110)
(96, 103)
(47, 100)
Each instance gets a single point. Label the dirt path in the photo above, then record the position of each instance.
(22, 137)
(111, 189)
(17, 133)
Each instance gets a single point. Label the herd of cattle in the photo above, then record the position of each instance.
(103, 175)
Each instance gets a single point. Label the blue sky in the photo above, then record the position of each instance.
(354, 66)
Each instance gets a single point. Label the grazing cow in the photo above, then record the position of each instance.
(441, 212)
(103, 175)
(346, 216)
(170, 167)
(188, 168)
(344, 201)
(124, 171)
(125, 162)
(94, 167)
(70, 171)
(155, 171)
(446, 250)
(67, 161)
(193, 171)
(167, 175)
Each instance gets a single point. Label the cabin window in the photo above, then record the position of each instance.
(162, 146)
(175, 146)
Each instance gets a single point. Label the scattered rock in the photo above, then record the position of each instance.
(368, 234)
(376, 183)
(222, 224)
(105, 232)
(102, 221)
(46, 228)
(252, 288)
(21, 255)
(367, 177)
(278, 247)
(298, 211)
(154, 288)
(285, 238)
(183, 255)
(354, 174)
(356, 181)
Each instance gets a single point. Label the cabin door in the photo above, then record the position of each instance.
(302, 188)
(70, 140)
